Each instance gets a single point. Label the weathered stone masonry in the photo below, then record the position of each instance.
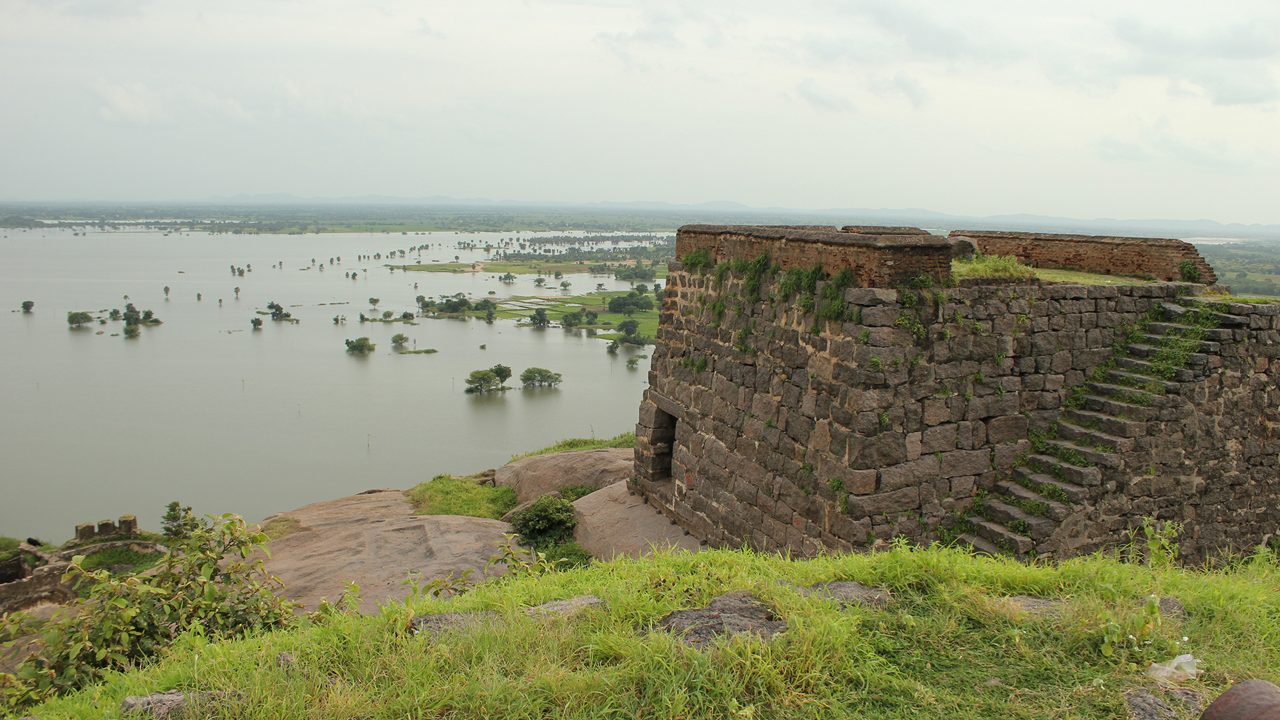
(768, 427)
(1158, 258)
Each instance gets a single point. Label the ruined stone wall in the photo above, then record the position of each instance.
(1158, 258)
(768, 426)
(877, 257)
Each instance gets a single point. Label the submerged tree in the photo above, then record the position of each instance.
(360, 346)
(398, 340)
(256, 323)
(539, 318)
(482, 381)
(77, 318)
(27, 305)
(539, 377)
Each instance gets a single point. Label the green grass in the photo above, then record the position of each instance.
(991, 267)
(948, 646)
(625, 440)
(8, 547)
(1008, 267)
(558, 306)
(121, 560)
(449, 495)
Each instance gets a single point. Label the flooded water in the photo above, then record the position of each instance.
(203, 410)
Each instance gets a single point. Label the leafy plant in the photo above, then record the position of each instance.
(207, 584)
(548, 521)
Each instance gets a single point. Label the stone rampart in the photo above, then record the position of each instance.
(1157, 258)
(816, 416)
(876, 257)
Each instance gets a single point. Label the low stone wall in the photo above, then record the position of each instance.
(43, 585)
(1157, 258)
(877, 256)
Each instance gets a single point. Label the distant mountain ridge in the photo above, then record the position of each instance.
(718, 211)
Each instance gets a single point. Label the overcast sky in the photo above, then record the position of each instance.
(1085, 109)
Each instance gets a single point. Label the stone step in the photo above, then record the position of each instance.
(1222, 319)
(1041, 483)
(1173, 311)
(1206, 346)
(1053, 509)
(1142, 367)
(1037, 527)
(1071, 451)
(979, 545)
(1063, 470)
(1142, 350)
(1012, 543)
(1122, 395)
(1209, 334)
(1109, 424)
(1090, 437)
(1121, 377)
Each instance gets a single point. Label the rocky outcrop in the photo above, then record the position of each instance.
(533, 477)
(615, 521)
(375, 541)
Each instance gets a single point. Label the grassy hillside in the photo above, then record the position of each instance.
(949, 645)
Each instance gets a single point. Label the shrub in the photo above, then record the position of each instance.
(1188, 271)
(573, 492)
(548, 521)
(178, 522)
(206, 584)
(566, 555)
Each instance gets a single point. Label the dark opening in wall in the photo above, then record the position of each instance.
(664, 440)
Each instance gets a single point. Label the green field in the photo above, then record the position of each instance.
(515, 267)
(950, 644)
(557, 307)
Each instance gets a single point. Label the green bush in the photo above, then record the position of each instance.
(1188, 271)
(573, 492)
(566, 555)
(548, 521)
(206, 584)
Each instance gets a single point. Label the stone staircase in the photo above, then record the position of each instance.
(1095, 441)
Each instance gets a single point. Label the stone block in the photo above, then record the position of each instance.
(1007, 428)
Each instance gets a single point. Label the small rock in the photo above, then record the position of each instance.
(170, 704)
(1034, 606)
(1171, 607)
(285, 661)
(732, 614)
(1145, 706)
(849, 592)
(1249, 700)
(435, 624)
(566, 608)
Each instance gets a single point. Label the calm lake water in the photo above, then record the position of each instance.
(203, 410)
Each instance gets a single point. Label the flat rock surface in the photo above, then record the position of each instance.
(736, 613)
(442, 622)
(849, 592)
(533, 477)
(565, 608)
(375, 540)
(613, 522)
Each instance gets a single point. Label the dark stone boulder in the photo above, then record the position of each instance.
(732, 614)
(1249, 700)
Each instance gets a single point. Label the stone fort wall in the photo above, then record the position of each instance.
(804, 411)
(1157, 258)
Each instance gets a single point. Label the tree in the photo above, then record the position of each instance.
(539, 377)
(502, 372)
(539, 318)
(237, 292)
(398, 340)
(77, 318)
(630, 303)
(179, 522)
(374, 301)
(629, 327)
(571, 320)
(360, 346)
(256, 323)
(131, 330)
(27, 305)
(540, 281)
(386, 314)
(166, 292)
(564, 284)
(507, 278)
(482, 381)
